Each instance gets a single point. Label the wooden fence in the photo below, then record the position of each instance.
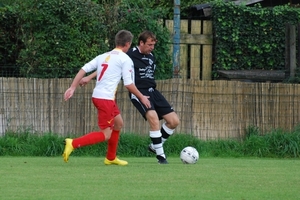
(207, 109)
(196, 44)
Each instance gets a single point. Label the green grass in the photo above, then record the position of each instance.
(88, 178)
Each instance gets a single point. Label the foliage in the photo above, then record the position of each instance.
(135, 18)
(10, 44)
(59, 36)
(276, 144)
(166, 5)
(250, 37)
(54, 38)
(30, 144)
(185, 5)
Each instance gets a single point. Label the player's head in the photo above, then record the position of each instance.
(147, 41)
(123, 39)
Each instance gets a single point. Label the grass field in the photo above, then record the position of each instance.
(88, 178)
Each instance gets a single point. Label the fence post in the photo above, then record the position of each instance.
(176, 39)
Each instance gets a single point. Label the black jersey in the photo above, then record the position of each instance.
(144, 67)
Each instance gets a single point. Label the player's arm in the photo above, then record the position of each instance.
(127, 75)
(144, 99)
(87, 79)
(70, 91)
(88, 67)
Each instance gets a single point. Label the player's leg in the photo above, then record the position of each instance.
(87, 139)
(112, 143)
(171, 122)
(105, 123)
(150, 115)
(155, 136)
(165, 111)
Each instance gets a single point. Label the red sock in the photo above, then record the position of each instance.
(88, 139)
(112, 145)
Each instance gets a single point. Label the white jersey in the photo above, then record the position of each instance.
(111, 67)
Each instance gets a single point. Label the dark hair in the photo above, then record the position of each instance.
(146, 35)
(122, 37)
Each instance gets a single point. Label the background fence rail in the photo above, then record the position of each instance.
(196, 48)
(207, 109)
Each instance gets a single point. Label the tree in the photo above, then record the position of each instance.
(59, 36)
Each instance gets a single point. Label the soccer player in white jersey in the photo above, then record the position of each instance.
(111, 67)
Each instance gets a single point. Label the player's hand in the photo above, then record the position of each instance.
(68, 94)
(84, 81)
(145, 101)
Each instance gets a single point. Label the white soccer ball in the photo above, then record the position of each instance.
(189, 155)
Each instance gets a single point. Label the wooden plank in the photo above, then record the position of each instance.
(207, 62)
(195, 65)
(264, 75)
(195, 52)
(169, 25)
(183, 68)
(196, 38)
(247, 2)
(193, 38)
(207, 53)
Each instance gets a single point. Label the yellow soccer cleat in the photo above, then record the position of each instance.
(116, 161)
(68, 149)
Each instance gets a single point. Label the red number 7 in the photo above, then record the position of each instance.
(105, 66)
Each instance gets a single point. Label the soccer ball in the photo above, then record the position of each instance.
(189, 155)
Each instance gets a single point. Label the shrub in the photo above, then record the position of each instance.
(54, 38)
(59, 36)
(250, 37)
(136, 17)
(10, 43)
(276, 144)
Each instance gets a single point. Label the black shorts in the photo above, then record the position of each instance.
(157, 101)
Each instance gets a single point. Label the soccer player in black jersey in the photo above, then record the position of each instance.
(144, 69)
